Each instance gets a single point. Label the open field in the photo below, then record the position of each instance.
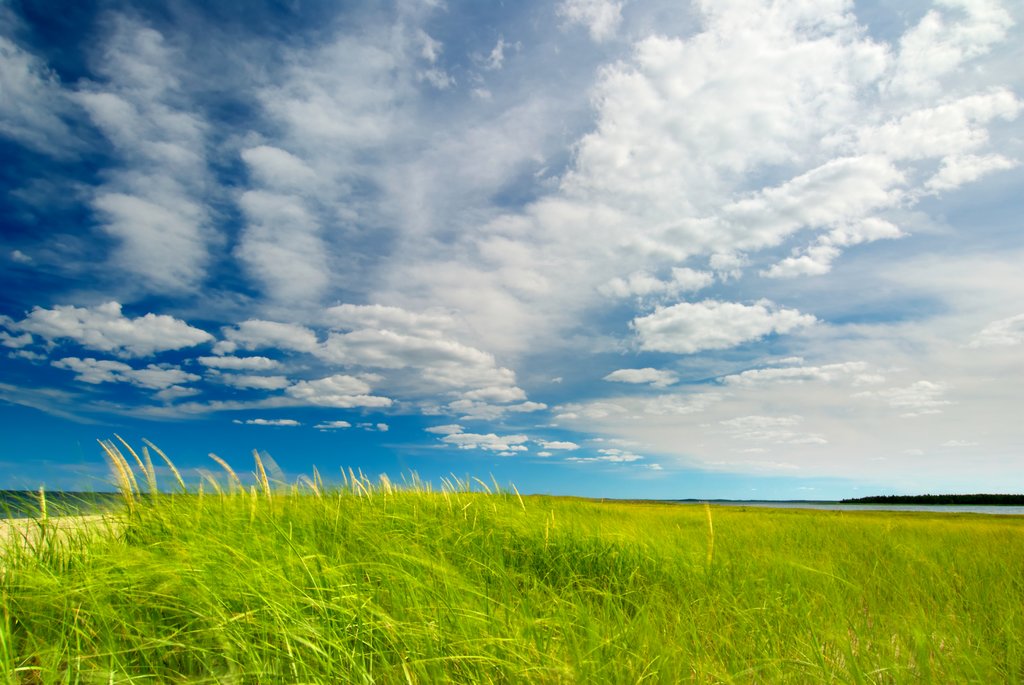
(372, 583)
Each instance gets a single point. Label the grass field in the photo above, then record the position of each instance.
(370, 582)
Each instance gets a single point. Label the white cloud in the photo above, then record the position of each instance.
(496, 59)
(161, 240)
(656, 377)
(281, 232)
(153, 377)
(95, 371)
(106, 329)
(15, 341)
(526, 407)
(279, 169)
(559, 445)
(798, 374)
(959, 443)
(918, 399)
(257, 334)
(471, 409)
(176, 392)
(641, 284)
(600, 17)
(615, 458)
(686, 328)
(957, 171)
(339, 390)
(502, 394)
(352, 317)
(269, 422)
(154, 203)
(448, 429)
(772, 429)
(677, 404)
(952, 33)
(254, 381)
(817, 258)
(1005, 332)
(240, 363)
(488, 441)
(438, 78)
(33, 107)
(947, 131)
(423, 358)
(332, 425)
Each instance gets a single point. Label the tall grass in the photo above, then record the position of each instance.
(383, 582)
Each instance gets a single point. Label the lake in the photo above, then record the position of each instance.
(837, 506)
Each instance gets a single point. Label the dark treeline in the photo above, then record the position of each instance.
(25, 503)
(979, 499)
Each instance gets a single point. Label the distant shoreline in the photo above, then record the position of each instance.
(980, 499)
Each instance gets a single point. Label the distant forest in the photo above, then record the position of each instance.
(981, 499)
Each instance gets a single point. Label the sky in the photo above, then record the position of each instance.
(610, 248)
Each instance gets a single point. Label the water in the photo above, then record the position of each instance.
(837, 506)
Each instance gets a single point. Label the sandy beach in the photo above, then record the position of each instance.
(27, 530)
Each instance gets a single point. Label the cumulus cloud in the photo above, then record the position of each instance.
(772, 429)
(817, 258)
(489, 441)
(496, 59)
(388, 349)
(610, 455)
(281, 232)
(269, 422)
(34, 108)
(332, 425)
(96, 371)
(353, 316)
(448, 429)
(641, 284)
(339, 390)
(257, 334)
(600, 17)
(918, 399)
(957, 171)
(240, 363)
(15, 341)
(801, 374)
(175, 392)
(559, 445)
(948, 36)
(422, 346)
(496, 394)
(959, 443)
(250, 381)
(279, 169)
(1002, 333)
(657, 378)
(686, 328)
(154, 203)
(106, 329)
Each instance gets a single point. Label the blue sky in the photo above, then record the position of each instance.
(617, 248)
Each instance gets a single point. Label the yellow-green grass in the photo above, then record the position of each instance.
(370, 582)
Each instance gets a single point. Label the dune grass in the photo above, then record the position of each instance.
(377, 583)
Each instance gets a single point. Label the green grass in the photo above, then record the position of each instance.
(376, 583)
